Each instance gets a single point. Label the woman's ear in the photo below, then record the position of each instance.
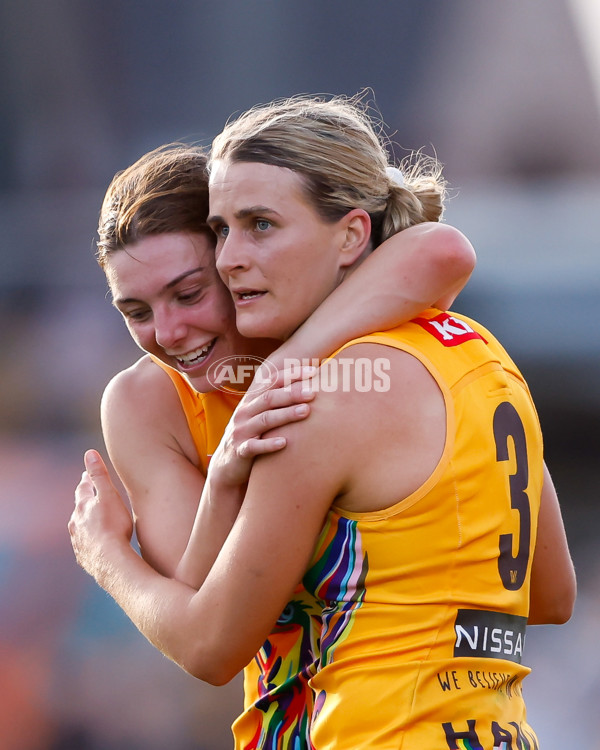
(357, 236)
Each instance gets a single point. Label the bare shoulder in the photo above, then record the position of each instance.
(152, 450)
(376, 431)
(143, 383)
(144, 396)
(376, 380)
(141, 404)
(366, 384)
(398, 418)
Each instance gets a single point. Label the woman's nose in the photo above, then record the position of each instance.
(169, 328)
(231, 255)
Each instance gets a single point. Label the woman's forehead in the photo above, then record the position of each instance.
(252, 183)
(164, 259)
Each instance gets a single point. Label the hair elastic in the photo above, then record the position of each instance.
(395, 176)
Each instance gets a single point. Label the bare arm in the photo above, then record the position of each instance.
(553, 583)
(423, 266)
(213, 632)
(150, 446)
(231, 464)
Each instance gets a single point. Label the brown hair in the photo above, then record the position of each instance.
(166, 190)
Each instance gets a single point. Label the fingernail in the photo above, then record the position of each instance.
(302, 409)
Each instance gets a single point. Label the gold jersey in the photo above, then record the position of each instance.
(426, 602)
(207, 414)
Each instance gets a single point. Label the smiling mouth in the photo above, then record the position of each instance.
(248, 295)
(197, 357)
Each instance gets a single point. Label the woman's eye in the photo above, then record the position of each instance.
(220, 230)
(137, 316)
(189, 296)
(262, 225)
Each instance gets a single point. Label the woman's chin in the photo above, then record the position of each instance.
(253, 327)
(199, 383)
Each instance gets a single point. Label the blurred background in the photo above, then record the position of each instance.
(508, 96)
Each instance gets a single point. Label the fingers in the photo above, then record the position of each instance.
(94, 464)
(260, 446)
(84, 487)
(258, 414)
(289, 375)
(97, 471)
(95, 480)
(274, 410)
(266, 421)
(276, 398)
(265, 379)
(269, 420)
(99, 509)
(84, 496)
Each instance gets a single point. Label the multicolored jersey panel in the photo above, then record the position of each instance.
(279, 718)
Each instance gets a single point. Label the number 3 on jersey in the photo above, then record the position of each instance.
(507, 423)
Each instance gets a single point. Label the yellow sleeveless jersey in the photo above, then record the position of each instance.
(278, 702)
(426, 602)
(207, 414)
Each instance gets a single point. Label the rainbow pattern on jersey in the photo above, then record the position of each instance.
(286, 662)
(338, 579)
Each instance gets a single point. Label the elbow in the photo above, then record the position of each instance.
(216, 676)
(562, 616)
(447, 257)
(457, 253)
(204, 647)
(215, 668)
(565, 606)
(557, 615)
(556, 611)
